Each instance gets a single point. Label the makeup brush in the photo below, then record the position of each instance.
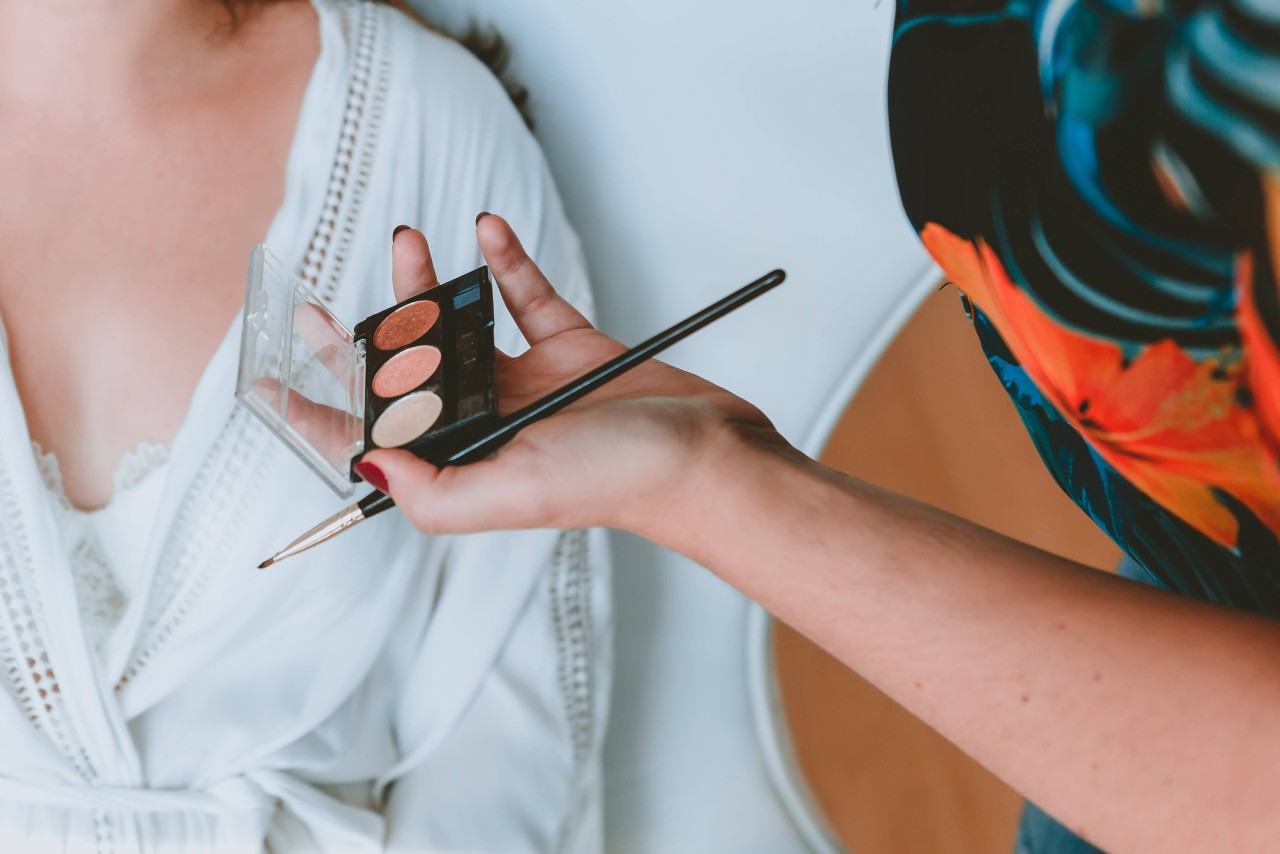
(509, 426)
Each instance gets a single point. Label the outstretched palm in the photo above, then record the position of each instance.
(623, 447)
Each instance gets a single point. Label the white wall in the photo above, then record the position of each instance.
(699, 144)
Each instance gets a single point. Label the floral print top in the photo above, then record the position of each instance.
(1101, 180)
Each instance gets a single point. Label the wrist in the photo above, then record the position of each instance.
(688, 509)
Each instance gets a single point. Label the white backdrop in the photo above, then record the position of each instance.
(699, 144)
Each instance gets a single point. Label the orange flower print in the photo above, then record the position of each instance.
(1171, 425)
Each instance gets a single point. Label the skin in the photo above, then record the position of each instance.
(135, 178)
(1141, 719)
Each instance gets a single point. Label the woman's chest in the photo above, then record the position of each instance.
(121, 269)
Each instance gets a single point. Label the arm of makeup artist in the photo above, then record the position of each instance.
(1141, 719)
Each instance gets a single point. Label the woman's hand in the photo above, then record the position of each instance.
(630, 455)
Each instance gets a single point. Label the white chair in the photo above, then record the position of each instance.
(699, 145)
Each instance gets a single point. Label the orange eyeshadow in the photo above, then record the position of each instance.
(406, 325)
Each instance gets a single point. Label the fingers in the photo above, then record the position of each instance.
(412, 270)
(538, 310)
(463, 499)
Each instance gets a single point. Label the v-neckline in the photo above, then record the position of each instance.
(299, 164)
(211, 399)
(294, 175)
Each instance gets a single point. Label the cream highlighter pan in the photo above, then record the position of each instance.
(407, 419)
(406, 370)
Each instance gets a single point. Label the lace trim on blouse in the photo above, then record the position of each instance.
(100, 595)
(134, 467)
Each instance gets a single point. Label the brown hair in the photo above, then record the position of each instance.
(483, 41)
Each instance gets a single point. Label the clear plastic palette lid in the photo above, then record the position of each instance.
(301, 371)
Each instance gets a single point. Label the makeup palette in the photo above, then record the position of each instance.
(417, 376)
(409, 406)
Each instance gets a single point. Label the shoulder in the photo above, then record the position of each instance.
(380, 46)
(432, 70)
(451, 119)
(451, 144)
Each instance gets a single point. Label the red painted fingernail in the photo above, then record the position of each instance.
(372, 475)
(397, 230)
(481, 216)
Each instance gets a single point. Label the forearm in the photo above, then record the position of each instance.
(1141, 719)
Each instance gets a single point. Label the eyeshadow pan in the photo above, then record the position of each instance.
(407, 419)
(406, 325)
(406, 370)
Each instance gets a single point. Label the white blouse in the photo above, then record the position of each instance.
(384, 692)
